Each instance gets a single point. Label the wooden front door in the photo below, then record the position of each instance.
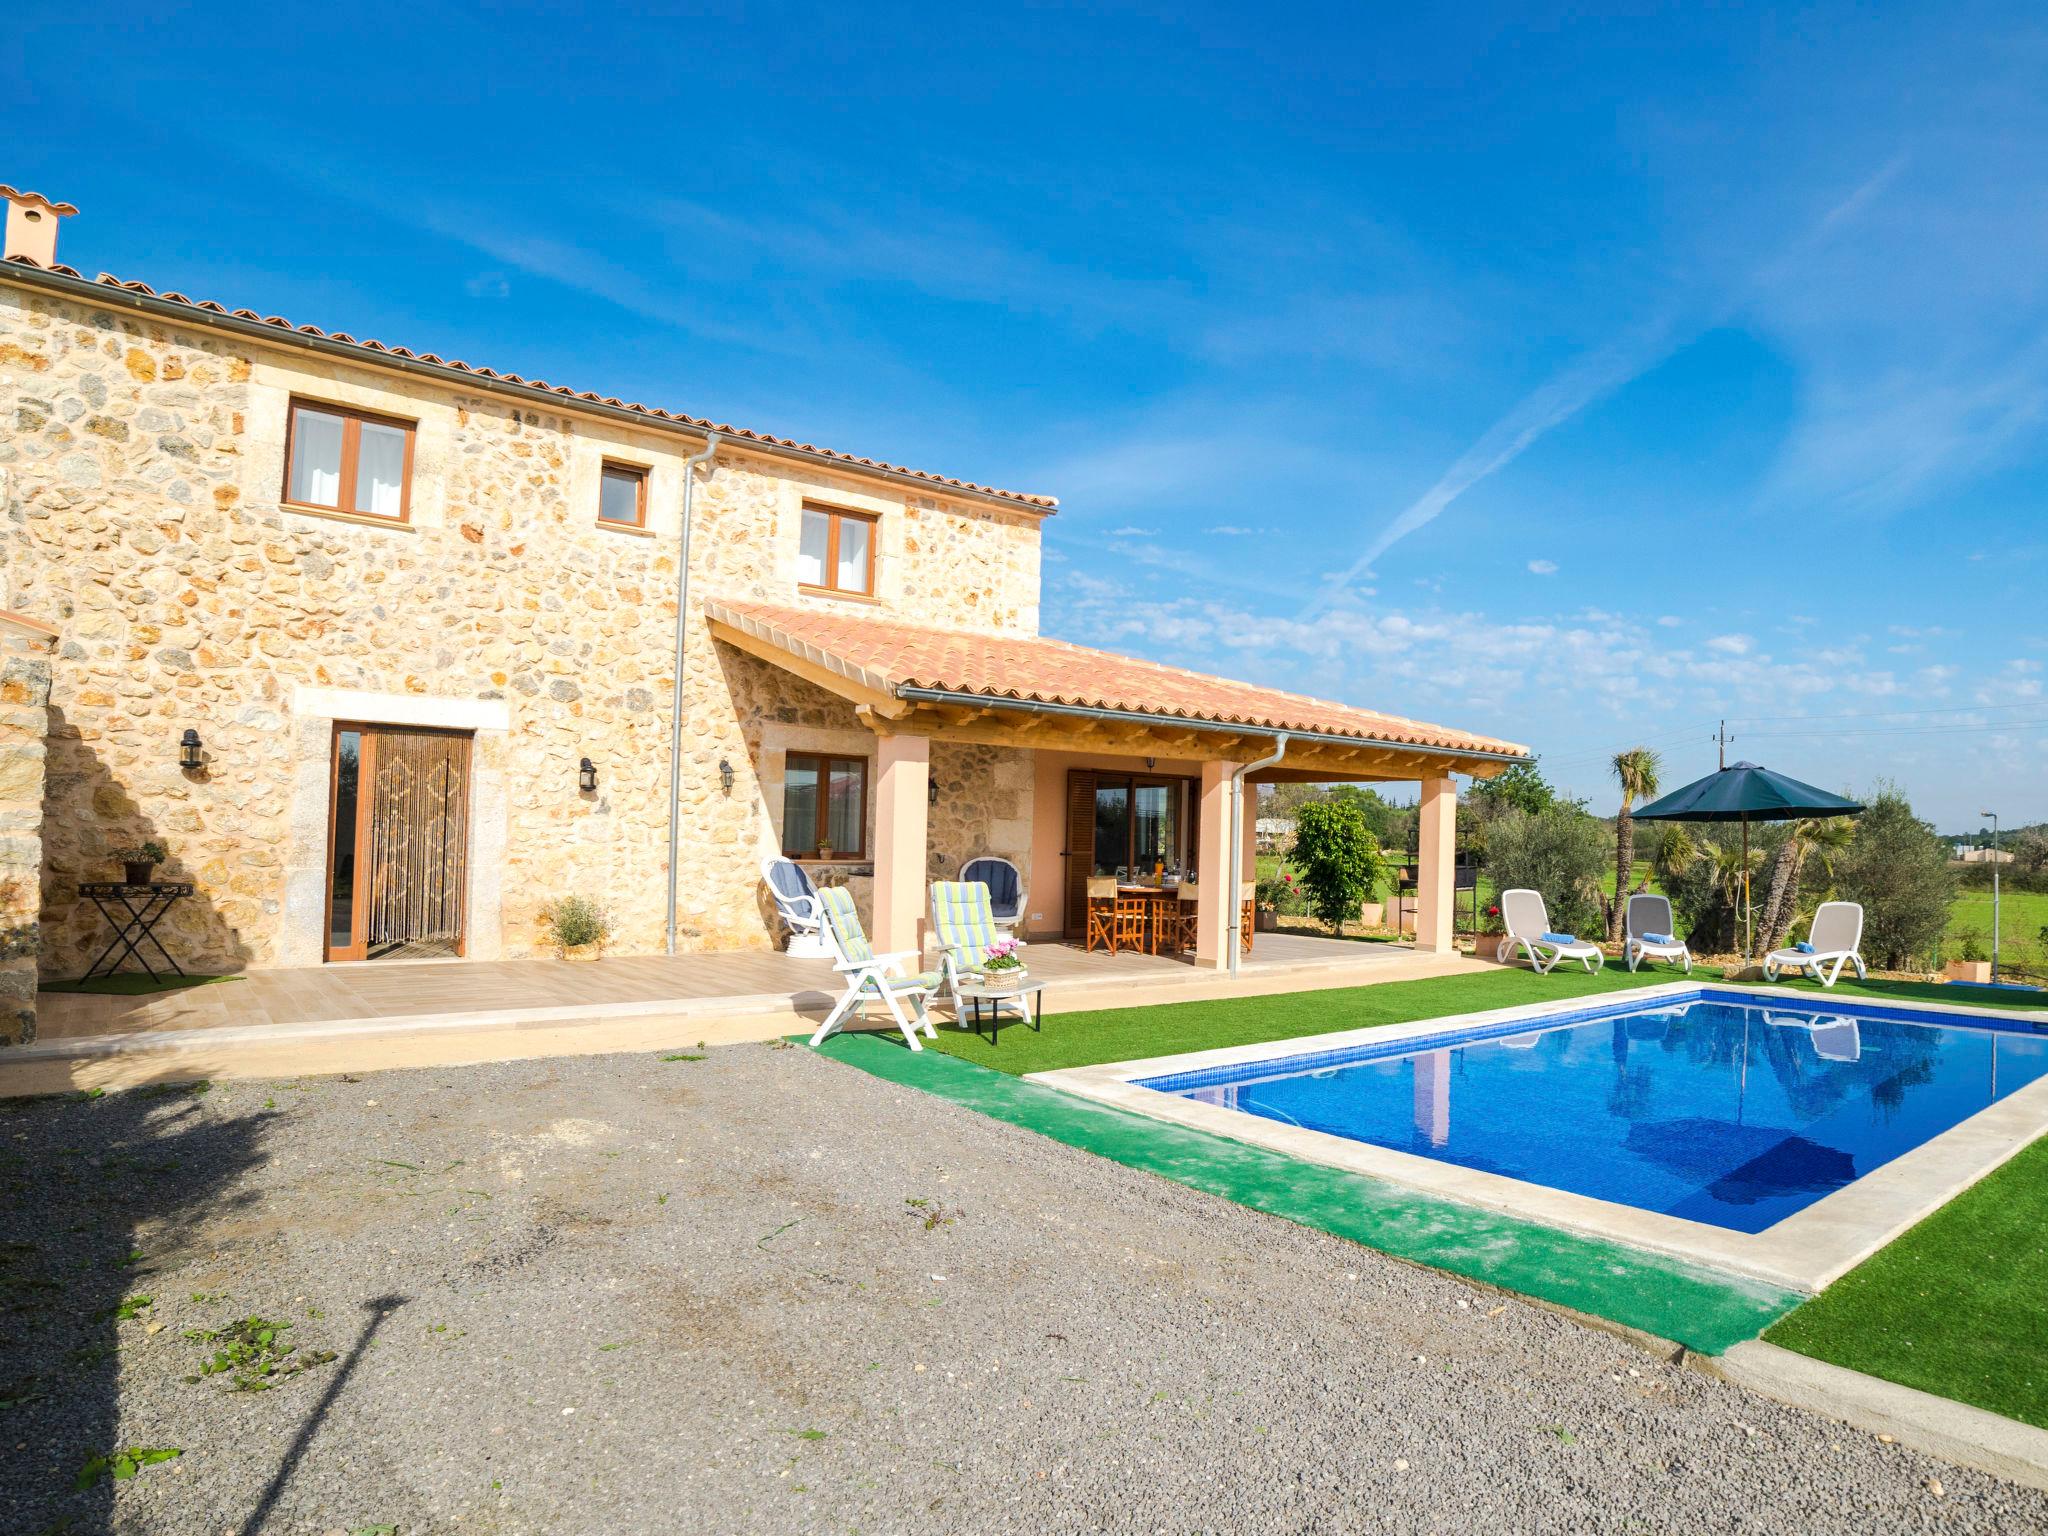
(398, 843)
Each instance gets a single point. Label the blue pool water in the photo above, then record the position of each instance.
(1708, 1109)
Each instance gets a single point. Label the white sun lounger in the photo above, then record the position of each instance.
(1834, 942)
(1527, 921)
(1651, 935)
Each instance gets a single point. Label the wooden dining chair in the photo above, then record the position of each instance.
(1133, 911)
(1248, 895)
(1101, 928)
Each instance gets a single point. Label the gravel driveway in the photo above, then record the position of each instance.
(759, 1291)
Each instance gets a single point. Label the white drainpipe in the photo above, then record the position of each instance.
(1235, 943)
(675, 714)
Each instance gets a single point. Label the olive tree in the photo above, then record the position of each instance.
(1560, 852)
(1897, 866)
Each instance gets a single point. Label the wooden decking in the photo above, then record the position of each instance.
(639, 984)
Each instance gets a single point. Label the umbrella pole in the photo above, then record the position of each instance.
(1748, 932)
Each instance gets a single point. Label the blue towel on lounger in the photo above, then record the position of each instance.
(1658, 938)
(1560, 938)
(1804, 948)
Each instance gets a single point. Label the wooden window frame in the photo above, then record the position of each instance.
(835, 516)
(352, 420)
(823, 763)
(642, 474)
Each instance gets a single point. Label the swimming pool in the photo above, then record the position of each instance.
(1718, 1112)
(1775, 1132)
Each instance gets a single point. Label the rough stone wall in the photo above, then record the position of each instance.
(24, 719)
(984, 806)
(144, 465)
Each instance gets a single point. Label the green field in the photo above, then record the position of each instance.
(2022, 916)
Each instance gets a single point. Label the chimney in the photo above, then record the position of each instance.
(32, 225)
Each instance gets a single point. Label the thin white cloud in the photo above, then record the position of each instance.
(1543, 567)
(1670, 621)
(1731, 645)
(1131, 531)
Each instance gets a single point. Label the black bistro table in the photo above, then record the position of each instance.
(133, 911)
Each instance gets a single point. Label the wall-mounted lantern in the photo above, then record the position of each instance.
(931, 792)
(189, 749)
(725, 775)
(586, 775)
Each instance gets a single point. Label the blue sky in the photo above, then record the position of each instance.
(1578, 374)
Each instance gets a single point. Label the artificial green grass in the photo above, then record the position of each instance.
(1954, 1306)
(133, 984)
(1167, 1029)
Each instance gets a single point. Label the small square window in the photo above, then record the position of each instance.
(622, 496)
(824, 806)
(341, 460)
(836, 552)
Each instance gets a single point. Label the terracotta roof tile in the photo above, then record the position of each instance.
(35, 200)
(1027, 499)
(888, 655)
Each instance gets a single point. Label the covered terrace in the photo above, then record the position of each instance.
(1133, 767)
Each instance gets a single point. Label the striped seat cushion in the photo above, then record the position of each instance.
(964, 919)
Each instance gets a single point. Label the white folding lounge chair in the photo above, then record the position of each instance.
(1527, 922)
(1651, 935)
(1834, 1038)
(1833, 943)
(966, 928)
(871, 978)
(1005, 884)
(796, 903)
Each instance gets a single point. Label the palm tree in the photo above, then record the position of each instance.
(1820, 837)
(1637, 769)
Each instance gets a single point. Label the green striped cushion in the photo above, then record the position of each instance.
(964, 917)
(929, 980)
(844, 921)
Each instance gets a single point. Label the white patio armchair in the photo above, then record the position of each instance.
(1005, 883)
(796, 903)
(1833, 942)
(872, 978)
(1651, 934)
(1527, 921)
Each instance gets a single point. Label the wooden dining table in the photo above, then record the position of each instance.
(1160, 900)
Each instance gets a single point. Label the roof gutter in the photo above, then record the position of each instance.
(1180, 722)
(326, 346)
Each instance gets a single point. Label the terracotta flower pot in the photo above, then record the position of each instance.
(581, 951)
(1967, 970)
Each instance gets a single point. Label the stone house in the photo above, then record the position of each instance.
(381, 647)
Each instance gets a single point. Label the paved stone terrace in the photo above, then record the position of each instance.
(325, 994)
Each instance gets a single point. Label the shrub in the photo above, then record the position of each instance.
(1561, 852)
(1282, 893)
(1339, 859)
(574, 921)
(1898, 868)
(1973, 947)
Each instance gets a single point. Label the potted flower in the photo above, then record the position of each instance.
(577, 927)
(1000, 962)
(141, 861)
(824, 850)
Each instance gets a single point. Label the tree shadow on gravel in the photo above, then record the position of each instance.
(80, 1175)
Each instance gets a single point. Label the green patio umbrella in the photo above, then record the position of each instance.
(1744, 792)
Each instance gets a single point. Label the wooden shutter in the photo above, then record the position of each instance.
(1080, 849)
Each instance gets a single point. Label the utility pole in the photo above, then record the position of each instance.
(1722, 738)
(1993, 815)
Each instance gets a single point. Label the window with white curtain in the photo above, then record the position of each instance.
(837, 551)
(345, 461)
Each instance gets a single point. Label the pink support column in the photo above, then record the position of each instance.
(1215, 902)
(902, 805)
(1436, 867)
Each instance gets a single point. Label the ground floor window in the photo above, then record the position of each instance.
(824, 807)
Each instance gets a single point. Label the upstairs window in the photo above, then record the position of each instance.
(339, 460)
(622, 496)
(838, 551)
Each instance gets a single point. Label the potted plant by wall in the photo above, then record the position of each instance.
(824, 850)
(140, 861)
(577, 927)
